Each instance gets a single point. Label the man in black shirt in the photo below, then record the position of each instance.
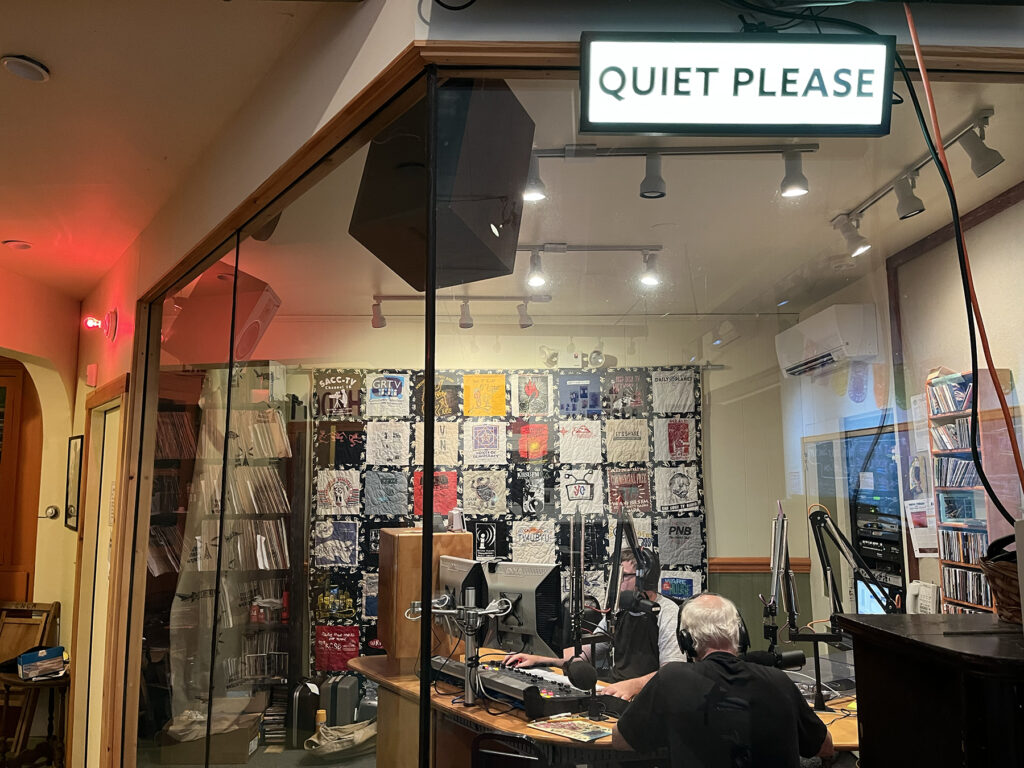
(721, 712)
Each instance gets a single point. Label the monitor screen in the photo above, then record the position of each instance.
(866, 602)
(535, 592)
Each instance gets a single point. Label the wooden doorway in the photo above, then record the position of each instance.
(21, 454)
(100, 508)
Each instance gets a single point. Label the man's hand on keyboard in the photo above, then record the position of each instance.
(522, 660)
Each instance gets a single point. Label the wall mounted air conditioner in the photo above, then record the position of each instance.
(822, 341)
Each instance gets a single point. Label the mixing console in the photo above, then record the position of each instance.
(539, 691)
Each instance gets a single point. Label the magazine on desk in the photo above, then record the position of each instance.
(576, 728)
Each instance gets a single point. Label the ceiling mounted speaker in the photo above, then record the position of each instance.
(199, 333)
(266, 230)
(484, 146)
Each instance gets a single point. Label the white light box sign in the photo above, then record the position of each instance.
(736, 85)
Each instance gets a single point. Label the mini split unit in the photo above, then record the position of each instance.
(822, 341)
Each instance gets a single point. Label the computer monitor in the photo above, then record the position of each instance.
(866, 601)
(535, 592)
(457, 573)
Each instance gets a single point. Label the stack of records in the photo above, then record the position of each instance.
(274, 717)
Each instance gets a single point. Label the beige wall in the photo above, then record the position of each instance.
(39, 326)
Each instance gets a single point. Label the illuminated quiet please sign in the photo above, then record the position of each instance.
(706, 84)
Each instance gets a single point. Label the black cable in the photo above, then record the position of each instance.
(958, 238)
(962, 260)
(448, 7)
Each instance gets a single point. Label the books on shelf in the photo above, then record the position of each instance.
(953, 608)
(164, 553)
(955, 473)
(250, 545)
(953, 436)
(958, 507)
(238, 596)
(255, 490)
(175, 435)
(259, 433)
(966, 585)
(962, 546)
(950, 395)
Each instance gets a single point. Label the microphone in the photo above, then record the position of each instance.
(629, 601)
(777, 659)
(581, 674)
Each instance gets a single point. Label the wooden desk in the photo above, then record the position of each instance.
(455, 725)
(52, 749)
(956, 681)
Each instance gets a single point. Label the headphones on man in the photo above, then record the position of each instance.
(685, 639)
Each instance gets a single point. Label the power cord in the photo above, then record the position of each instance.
(970, 297)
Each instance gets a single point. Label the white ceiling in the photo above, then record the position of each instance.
(732, 244)
(138, 89)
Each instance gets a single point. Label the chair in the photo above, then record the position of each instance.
(24, 626)
(506, 750)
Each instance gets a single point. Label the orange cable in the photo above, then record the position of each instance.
(982, 335)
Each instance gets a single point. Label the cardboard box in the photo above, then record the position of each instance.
(43, 662)
(236, 723)
(234, 746)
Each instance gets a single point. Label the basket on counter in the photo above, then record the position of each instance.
(1002, 578)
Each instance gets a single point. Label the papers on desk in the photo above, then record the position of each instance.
(576, 728)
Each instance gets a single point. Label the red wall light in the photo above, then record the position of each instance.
(108, 324)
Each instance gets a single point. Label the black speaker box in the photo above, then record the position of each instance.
(484, 142)
(199, 333)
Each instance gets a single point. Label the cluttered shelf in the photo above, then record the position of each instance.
(960, 563)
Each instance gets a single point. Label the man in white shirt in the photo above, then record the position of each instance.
(645, 633)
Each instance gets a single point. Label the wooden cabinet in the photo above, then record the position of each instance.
(400, 557)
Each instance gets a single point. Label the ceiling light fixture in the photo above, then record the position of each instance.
(782, 303)
(26, 68)
(465, 319)
(649, 276)
(983, 157)
(653, 186)
(856, 243)
(525, 321)
(983, 160)
(907, 203)
(17, 245)
(377, 319)
(534, 189)
(794, 183)
(536, 277)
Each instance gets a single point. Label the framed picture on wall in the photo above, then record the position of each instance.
(74, 481)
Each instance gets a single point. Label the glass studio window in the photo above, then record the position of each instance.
(647, 327)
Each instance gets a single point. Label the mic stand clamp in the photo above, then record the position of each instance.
(472, 620)
(594, 710)
(816, 638)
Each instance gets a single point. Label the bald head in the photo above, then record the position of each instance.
(713, 622)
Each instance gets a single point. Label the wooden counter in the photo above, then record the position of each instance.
(398, 706)
(939, 689)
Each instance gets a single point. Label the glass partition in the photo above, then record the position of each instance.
(284, 447)
(696, 333)
(656, 338)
